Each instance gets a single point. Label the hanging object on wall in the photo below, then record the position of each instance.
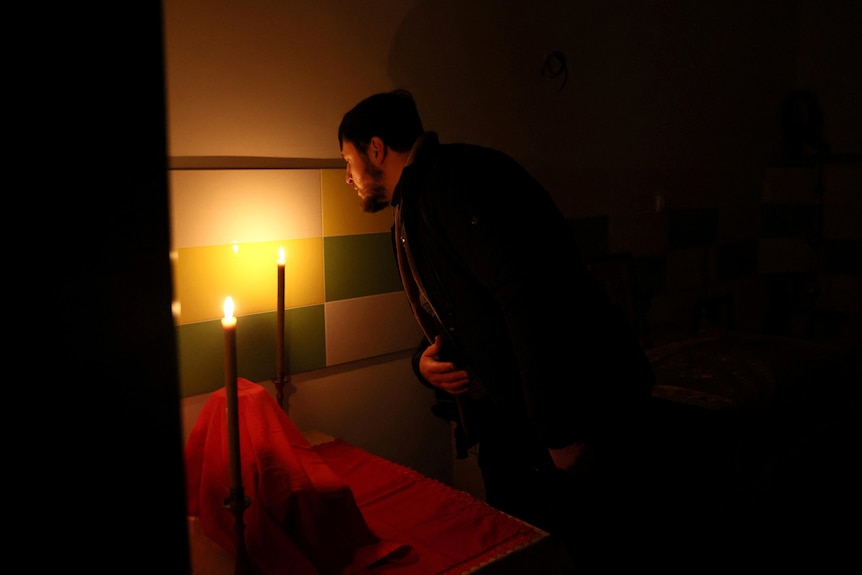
(555, 66)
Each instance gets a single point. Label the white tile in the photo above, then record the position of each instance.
(219, 207)
(364, 327)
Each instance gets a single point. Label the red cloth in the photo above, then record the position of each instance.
(448, 531)
(302, 518)
(333, 508)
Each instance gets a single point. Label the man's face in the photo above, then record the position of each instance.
(366, 179)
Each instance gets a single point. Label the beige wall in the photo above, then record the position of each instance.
(653, 90)
(650, 85)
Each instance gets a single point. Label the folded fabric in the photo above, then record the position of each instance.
(302, 518)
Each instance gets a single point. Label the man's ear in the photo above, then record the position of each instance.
(376, 150)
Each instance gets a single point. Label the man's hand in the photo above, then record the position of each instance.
(443, 375)
(571, 458)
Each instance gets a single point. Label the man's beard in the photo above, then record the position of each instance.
(375, 201)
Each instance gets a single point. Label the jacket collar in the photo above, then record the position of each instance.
(422, 150)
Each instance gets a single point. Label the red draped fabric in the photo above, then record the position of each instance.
(302, 519)
(448, 531)
(332, 509)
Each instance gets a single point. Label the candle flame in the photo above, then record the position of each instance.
(281, 255)
(228, 307)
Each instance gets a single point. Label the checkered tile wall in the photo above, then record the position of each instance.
(343, 297)
(782, 245)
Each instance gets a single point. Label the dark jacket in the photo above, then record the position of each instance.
(499, 263)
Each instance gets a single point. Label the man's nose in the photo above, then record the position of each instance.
(347, 177)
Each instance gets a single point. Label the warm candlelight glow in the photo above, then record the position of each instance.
(281, 256)
(228, 307)
(228, 320)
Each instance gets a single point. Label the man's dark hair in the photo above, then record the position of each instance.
(391, 116)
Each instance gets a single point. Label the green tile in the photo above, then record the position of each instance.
(256, 346)
(201, 348)
(359, 265)
(305, 339)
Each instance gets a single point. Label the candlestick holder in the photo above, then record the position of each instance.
(237, 503)
(282, 382)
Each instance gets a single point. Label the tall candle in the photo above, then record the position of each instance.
(236, 500)
(228, 324)
(279, 314)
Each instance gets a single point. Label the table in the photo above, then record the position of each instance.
(441, 530)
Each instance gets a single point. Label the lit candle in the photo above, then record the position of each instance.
(236, 500)
(279, 314)
(228, 324)
(228, 321)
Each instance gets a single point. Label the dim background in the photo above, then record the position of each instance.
(658, 127)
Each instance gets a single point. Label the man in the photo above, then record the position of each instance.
(549, 379)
